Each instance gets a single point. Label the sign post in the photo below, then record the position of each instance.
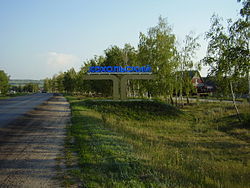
(119, 76)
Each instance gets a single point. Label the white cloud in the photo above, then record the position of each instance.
(61, 61)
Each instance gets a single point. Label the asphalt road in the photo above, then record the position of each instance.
(32, 135)
(15, 107)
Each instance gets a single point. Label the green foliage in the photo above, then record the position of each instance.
(63, 82)
(245, 10)
(69, 81)
(157, 49)
(228, 53)
(47, 86)
(4, 83)
(60, 82)
(186, 64)
(188, 51)
(30, 87)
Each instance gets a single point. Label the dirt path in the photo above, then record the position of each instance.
(30, 145)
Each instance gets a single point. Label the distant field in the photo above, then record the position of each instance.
(17, 82)
(152, 144)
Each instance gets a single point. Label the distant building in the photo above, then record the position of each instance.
(209, 85)
(196, 78)
(202, 84)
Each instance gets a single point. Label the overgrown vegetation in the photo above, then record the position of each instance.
(152, 144)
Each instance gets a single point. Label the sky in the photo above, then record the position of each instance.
(38, 39)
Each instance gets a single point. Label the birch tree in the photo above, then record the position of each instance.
(227, 54)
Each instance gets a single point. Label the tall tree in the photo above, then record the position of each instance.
(46, 86)
(242, 26)
(227, 54)
(113, 57)
(59, 82)
(69, 81)
(186, 55)
(4, 82)
(157, 49)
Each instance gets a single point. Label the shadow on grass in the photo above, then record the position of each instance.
(135, 110)
(231, 125)
(232, 122)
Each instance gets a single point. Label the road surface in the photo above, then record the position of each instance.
(12, 108)
(32, 132)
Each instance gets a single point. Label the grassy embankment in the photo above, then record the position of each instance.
(152, 144)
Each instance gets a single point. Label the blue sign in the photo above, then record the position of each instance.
(119, 69)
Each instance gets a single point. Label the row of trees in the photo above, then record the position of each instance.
(5, 87)
(29, 87)
(227, 56)
(157, 48)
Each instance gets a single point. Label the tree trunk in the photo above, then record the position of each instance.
(187, 100)
(248, 70)
(248, 86)
(181, 97)
(171, 99)
(176, 100)
(233, 96)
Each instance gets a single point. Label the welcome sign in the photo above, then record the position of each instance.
(120, 70)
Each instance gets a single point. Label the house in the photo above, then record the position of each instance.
(202, 84)
(194, 75)
(196, 78)
(209, 84)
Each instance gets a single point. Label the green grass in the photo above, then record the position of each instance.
(219, 98)
(4, 97)
(152, 144)
(12, 95)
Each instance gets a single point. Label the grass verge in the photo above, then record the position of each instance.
(152, 144)
(12, 95)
